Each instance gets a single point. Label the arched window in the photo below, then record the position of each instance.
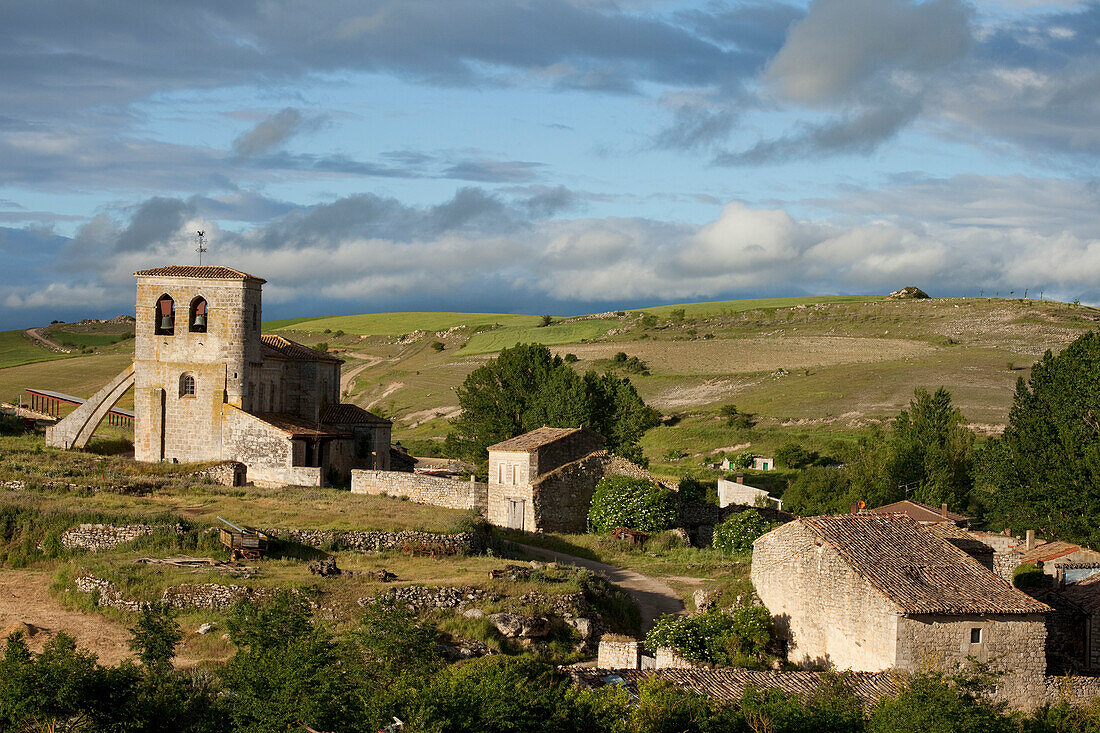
(166, 316)
(187, 385)
(197, 321)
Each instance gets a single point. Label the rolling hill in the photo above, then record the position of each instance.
(816, 370)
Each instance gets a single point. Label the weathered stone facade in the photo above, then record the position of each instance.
(226, 473)
(618, 654)
(443, 492)
(517, 465)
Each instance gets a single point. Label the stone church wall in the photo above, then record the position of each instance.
(434, 490)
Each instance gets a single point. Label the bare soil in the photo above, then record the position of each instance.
(25, 599)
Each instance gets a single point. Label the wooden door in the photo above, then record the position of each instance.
(515, 513)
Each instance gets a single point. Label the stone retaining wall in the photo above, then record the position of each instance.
(227, 473)
(434, 490)
(469, 543)
(94, 537)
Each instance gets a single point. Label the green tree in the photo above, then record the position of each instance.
(820, 490)
(288, 672)
(934, 703)
(527, 387)
(736, 533)
(155, 636)
(736, 637)
(1044, 472)
(932, 448)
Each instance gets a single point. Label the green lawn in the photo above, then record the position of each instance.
(563, 333)
(394, 324)
(17, 348)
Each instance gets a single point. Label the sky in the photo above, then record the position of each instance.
(547, 156)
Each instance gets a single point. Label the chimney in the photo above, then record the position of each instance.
(855, 507)
(1029, 543)
(943, 510)
(740, 478)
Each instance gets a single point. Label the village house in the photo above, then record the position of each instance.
(923, 513)
(208, 386)
(739, 493)
(872, 592)
(539, 481)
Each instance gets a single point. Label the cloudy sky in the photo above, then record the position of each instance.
(556, 156)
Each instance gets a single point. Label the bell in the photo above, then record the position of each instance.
(200, 320)
(166, 323)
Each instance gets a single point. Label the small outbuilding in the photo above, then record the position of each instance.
(539, 481)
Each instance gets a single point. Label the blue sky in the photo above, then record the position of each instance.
(558, 156)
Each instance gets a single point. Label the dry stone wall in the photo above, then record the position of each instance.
(469, 543)
(444, 492)
(619, 654)
(210, 596)
(227, 473)
(95, 537)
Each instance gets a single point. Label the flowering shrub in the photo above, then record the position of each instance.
(621, 501)
(738, 637)
(739, 530)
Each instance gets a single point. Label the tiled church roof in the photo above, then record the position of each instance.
(281, 346)
(916, 570)
(207, 272)
(343, 414)
(534, 439)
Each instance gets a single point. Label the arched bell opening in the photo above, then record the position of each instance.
(165, 316)
(197, 319)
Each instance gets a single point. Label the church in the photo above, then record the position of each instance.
(209, 386)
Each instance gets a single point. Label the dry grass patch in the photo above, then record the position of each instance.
(746, 355)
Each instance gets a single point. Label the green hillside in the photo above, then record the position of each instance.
(17, 348)
(816, 370)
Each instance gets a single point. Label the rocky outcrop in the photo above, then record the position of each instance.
(423, 598)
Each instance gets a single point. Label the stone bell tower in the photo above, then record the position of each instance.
(197, 338)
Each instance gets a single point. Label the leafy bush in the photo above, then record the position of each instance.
(736, 533)
(437, 346)
(739, 637)
(621, 501)
(735, 418)
(545, 321)
(571, 358)
(1029, 576)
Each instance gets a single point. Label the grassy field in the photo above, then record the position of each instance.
(730, 307)
(17, 348)
(80, 376)
(395, 324)
(488, 342)
(73, 338)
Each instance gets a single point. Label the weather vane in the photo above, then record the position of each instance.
(202, 246)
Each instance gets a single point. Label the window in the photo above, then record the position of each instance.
(187, 385)
(165, 324)
(197, 320)
(976, 635)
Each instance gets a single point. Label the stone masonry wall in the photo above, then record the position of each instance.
(95, 537)
(618, 654)
(1014, 644)
(210, 596)
(469, 543)
(669, 658)
(562, 498)
(226, 473)
(825, 610)
(444, 492)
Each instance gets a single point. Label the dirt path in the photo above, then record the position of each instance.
(390, 389)
(25, 599)
(653, 596)
(347, 377)
(36, 335)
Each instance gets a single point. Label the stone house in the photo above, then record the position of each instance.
(738, 492)
(871, 592)
(541, 481)
(208, 386)
(923, 513)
